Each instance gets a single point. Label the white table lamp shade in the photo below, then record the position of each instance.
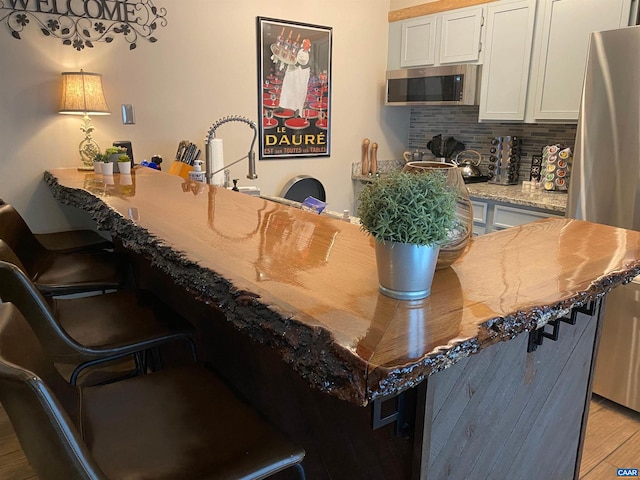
(82, 93)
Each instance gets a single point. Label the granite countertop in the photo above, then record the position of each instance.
(514, 195)
(305, 285)
(555, 202)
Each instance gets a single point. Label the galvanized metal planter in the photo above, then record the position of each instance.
(405, 271)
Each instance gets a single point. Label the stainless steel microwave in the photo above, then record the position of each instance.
(445, 85)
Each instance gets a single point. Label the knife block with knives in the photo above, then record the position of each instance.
(181, 169)
(186, 156)
(369, 157)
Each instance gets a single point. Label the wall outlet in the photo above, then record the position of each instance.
(127, 115)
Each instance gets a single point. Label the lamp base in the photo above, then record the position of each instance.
(88, 148)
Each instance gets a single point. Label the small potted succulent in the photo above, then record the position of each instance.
(114, 151)
(409, 215)
(107, 166)
(111, 155)
(124, 164)
(98, 161)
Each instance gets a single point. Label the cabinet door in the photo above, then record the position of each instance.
(418, 42)
(460, 39)
(480, 211)
(567, 26)
(478, 230)
(506, 217)
(480, 215)
(505, 73)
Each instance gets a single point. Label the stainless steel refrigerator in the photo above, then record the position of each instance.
(605, 188)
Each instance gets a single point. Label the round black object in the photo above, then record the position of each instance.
(303, 186)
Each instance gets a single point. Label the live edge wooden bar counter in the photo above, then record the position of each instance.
(489, 377)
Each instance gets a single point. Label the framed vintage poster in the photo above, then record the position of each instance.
(294, 94)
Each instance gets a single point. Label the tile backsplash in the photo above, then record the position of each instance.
(462, 123)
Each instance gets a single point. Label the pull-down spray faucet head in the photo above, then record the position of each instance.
(209, 152)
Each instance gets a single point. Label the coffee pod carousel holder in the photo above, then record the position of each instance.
(555, 169)
(504, 160)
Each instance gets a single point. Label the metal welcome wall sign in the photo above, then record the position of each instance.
(81, 23)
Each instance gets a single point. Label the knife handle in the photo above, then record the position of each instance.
(365, 156)
(373, 161)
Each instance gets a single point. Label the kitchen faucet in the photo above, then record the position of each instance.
(209, 151)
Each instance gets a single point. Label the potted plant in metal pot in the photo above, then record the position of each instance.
(115, 151)
(408, 215)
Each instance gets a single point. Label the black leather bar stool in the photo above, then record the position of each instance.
(173, 424)
(68, 241)
(63, 273)
(93, 330)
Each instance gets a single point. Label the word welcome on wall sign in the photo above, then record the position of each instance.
(81, 23)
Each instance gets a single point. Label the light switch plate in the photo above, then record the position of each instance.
(127, 115)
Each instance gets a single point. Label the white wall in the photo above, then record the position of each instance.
(202, 68)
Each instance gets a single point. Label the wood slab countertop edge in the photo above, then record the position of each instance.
(306, 346)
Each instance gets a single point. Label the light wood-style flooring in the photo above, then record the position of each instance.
(13, 464)
(612, 442)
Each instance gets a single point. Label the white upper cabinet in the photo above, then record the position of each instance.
(460, 37)
(562, 54)
(505, 72)
(418, 42)
(444, 38)
(534, 55)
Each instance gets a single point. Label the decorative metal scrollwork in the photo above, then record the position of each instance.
(81, 23)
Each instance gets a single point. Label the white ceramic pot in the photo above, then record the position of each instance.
(97, 167)
(107, 168)
(405, 271)
(124, 167)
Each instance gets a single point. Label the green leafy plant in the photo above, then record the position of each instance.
(113, 150)
(106, 156)
(124, 158)
(403, 207)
